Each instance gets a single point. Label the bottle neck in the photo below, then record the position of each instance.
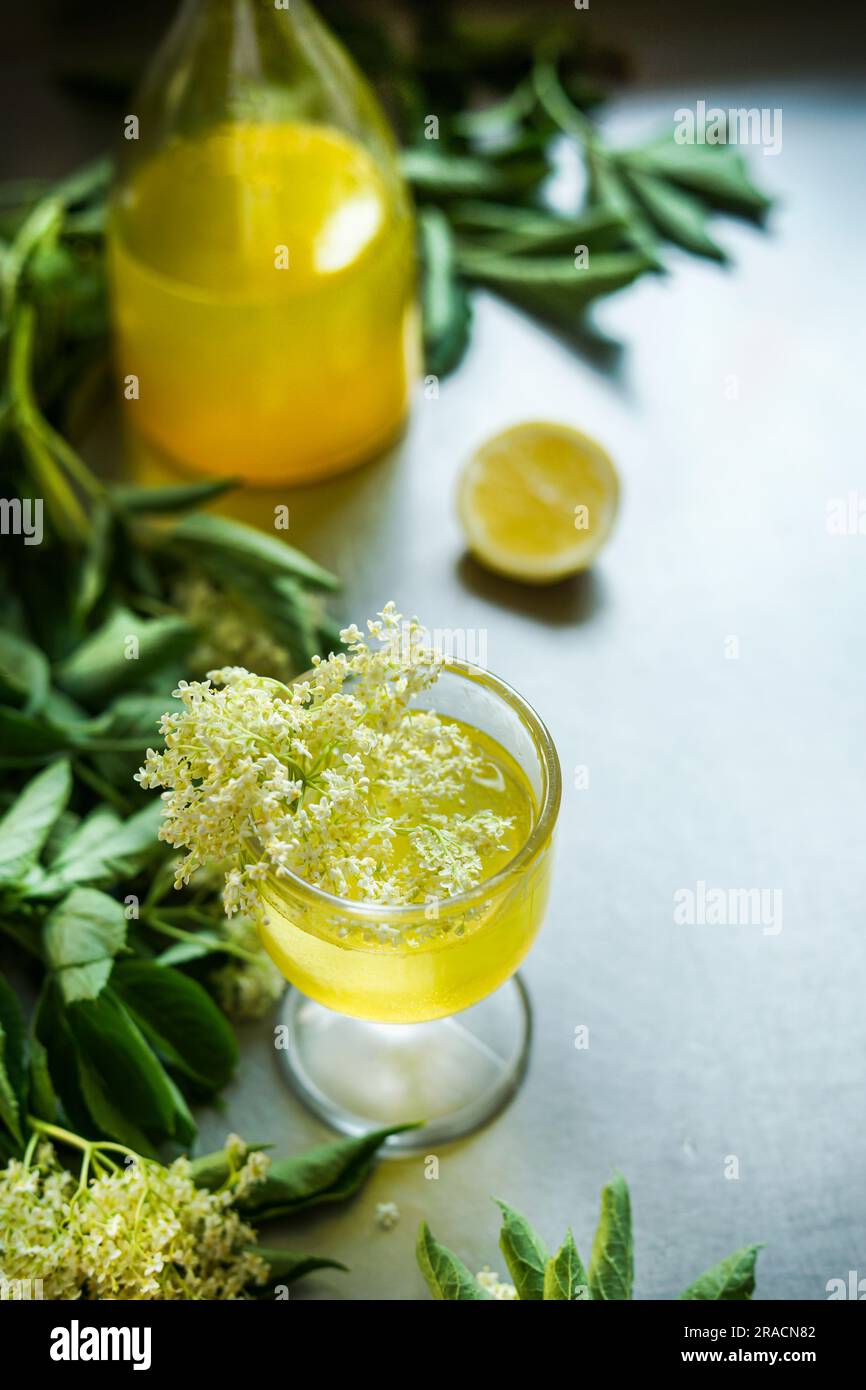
(247, 33)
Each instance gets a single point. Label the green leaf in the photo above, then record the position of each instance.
(51, 1028)
(118, 739)
(129, 1074)
(327, 1173)
(226, 544)
(606, 185)
(61, 711)
(284, 607)
(717, 173)
(102, 850)
(532, 231)
(447, 1277)
(287, 1265)
(179, 1019)
(81, 852)
(174, 498)
(610, 192)
(85, 184)
(107, 1118)
(82, 936)
(13, 1065)
(437, 174)
(122, 653)
(564, 1274)
(129, 722)
(677, 215)
(445, 303)
(731, 1279)
(24, 673)
(553, 288)
(43, 1099)
(25, 826)
(42, 224)
(504, 115)
(95, 565)
(184, 951)
(330, 1172)
(611, 1266)
(557, 103)
(184, 1129)
(525, 1253)
(213, 1170)
(25, 739)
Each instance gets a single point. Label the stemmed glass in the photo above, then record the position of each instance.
(416, 1012)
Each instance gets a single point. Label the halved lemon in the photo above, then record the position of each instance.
(538, 501)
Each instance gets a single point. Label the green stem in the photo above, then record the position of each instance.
(101, 786)
(70, 459)
(90, 1147)
(64, 1136)
(228, 948)
(67, 511)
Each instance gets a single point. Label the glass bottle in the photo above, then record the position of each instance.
(261, 250)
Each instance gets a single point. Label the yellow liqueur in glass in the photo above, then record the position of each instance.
(416, 1012)
(261, 252)
(440, 956)
(388, 820)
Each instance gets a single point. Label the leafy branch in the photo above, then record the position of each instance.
(507, 93)
(485, 220)
(223, 1196)
(539, 1275)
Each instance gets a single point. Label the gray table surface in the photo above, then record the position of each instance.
(735, 417)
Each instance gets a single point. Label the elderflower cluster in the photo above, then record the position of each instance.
(234, 632)
(246, 989)
(137, 1232)
(492, 1284)
(334, 779)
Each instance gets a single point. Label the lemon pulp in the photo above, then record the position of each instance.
(262, 281)
(443, 959)
(538, 501)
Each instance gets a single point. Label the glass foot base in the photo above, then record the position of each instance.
(452, 1074)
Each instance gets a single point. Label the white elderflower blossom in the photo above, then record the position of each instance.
(247, 987)
(492, 1284)
(233, 628)
(334, 779)
(137, 1232)
(387, 1215)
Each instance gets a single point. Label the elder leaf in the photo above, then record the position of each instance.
(525, 1253)
(25, 826)
(447, 1277)
(731, 1279)
(611, 1265)
(678, 216)
(446, 309)
(564, 1275)
(82, 936)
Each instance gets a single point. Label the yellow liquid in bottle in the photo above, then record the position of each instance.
(437, 963)
(263, 288)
